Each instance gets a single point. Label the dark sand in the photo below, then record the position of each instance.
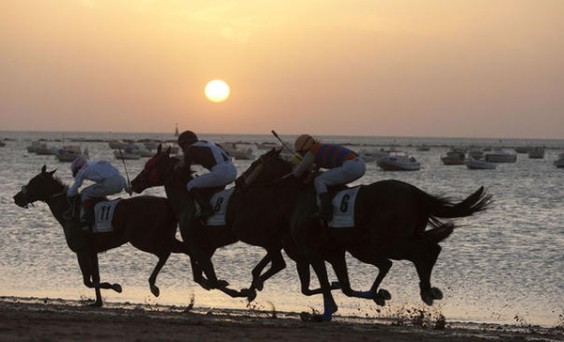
(33, 319)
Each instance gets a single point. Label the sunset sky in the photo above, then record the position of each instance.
(456, 68)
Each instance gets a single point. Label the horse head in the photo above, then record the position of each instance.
(158, 170)
(268, 168)
(40, 188)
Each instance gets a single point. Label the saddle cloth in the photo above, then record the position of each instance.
(219, 202)
(343, 208)
(103, 214)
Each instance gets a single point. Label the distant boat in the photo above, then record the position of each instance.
(176, 131)
(536, 152)
(398, 161)
(500, 156)
(559, 163)
(477, 164)
(453, 157)
(70, 152)
(239, 154)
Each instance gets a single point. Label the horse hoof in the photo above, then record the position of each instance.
(117, 288)
(258, 284)
(155, 291)
(384, 294)
(250, 294)
(96, 304)
(427, 298)
(379, 300)
(436, 293)
(222, 283)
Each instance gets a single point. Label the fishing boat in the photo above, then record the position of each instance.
(398, 161)
(536, 152)
(478, 164)
(69, 153)
(453, 157)
(500, 156)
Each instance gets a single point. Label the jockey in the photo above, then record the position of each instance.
(212, 157)
(108, 181)
(343, 166)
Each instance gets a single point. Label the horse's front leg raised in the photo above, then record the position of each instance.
(277, 264)
(88, 262)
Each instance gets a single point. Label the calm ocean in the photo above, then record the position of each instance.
(505, 265)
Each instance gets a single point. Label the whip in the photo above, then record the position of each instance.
(285, 146)
(126, 173)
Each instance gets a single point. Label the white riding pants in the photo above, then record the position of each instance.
(350, 171)
(219, 175)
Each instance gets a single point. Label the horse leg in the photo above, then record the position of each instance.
(277, 265)
(329, 305)
(424, 260)
(338, 262)
(88, 263)
(381, 296)
(153, 278)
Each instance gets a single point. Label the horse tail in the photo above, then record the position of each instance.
(476, 202)
(439, 232)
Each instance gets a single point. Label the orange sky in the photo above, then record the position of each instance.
(472, 68)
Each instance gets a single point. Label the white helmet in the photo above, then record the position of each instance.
(303, 143)
(77, 164)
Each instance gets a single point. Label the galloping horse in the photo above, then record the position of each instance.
(254, 216)
(147, 222)
(390, 223)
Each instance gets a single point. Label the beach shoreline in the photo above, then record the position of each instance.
(46, 319)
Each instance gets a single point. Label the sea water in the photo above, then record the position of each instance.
(504, 265)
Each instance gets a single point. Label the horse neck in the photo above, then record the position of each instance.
(177, 194)
(58, 204)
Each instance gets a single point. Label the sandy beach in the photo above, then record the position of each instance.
(34, 319)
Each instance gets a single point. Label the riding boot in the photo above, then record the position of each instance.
(206, 209)
(87, 214)
(325, 207)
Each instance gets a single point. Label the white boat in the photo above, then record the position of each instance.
(370, 155)
(36, 144)
(239, 154)
(500, 156)
(70, 152)
(559, 163)
(536, 152)
(398, 161)
(44, 150)
(453, 157)
(478, 164)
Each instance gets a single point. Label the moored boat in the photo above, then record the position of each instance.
(70, 152)
(398, 161)
(500, 156)
(453, 157)
(478, 164)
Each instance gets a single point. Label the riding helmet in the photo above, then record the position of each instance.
(303, 143)
(187, 138)
(77, 164)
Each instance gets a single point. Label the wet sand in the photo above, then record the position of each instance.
(33, 319)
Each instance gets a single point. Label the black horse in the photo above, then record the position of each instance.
(147, 222)
(390, 223)
(254, 216)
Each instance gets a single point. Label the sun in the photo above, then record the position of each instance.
(217, 90)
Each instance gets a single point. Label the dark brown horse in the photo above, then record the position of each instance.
(254, 216)
(391, 219)
(147, 222)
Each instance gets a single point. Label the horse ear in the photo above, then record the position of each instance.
(159, 148)
(52, 172)
(44, 169)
